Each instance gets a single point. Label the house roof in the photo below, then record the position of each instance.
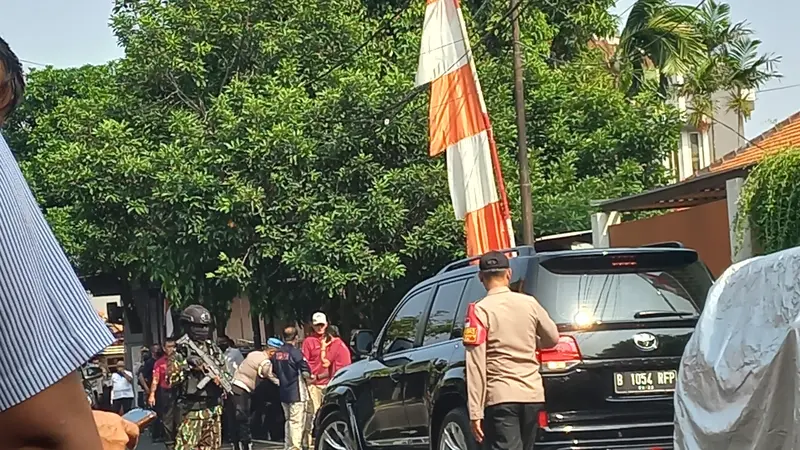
(699, 190)
(782, 136)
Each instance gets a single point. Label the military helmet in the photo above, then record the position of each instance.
(196, 315)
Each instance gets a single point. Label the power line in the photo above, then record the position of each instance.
(714, 119)
(419, 89)
(779, 88)
(373, 36)
(363, 45)
(633, 3)
(687, 16)
(33, 63)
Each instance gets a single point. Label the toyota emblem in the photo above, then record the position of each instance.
(646, 342)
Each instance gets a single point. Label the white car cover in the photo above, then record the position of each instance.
(739, 381)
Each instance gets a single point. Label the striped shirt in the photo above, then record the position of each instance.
(48, 327)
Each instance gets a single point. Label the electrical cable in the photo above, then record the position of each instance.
(419, 89)
(372, 37)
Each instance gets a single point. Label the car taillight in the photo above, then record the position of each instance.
(564, 356)
(542, 419)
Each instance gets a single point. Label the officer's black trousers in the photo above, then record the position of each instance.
(510, 426)
(241, 429)
(167, 410)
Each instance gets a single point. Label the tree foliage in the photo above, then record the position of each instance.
(732, 64)
(279, 150)
(769, 205)
(659, 35)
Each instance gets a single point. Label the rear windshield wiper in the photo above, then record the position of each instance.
(654, 314)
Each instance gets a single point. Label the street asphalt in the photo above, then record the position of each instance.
(145, 443)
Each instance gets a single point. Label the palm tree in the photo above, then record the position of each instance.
(748, 71)
(732, 63)
(662, 36)
(716, 28)
(717, 31)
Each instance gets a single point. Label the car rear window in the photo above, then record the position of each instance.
(616, 290)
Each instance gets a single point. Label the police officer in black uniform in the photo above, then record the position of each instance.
(199, 399)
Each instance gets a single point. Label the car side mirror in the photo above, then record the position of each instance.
(361, 342)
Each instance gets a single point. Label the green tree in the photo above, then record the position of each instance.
(748, 70)
(770, 204)
(278, 150)
(732, 63)
(659, 37)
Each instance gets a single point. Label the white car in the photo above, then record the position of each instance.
(739, 381)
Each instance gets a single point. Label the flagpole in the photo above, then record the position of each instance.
(522, 138)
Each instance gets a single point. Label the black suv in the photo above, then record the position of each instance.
(625, 315)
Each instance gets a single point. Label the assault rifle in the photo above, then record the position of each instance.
(210, 367)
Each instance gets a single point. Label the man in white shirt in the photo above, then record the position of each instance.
(121, 389)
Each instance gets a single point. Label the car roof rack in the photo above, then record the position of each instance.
(668, 244)
(523, 250)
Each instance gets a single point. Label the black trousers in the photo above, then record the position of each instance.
(167, 410)
(122, 405)
(511, 426)
(241, 427)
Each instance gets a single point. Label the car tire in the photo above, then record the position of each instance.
(456, 432)
(334, 426)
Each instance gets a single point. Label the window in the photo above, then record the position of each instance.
(401, 334)
(696, 145)
(673, 165)
(443, 312)
(474, 292)
(610, 297)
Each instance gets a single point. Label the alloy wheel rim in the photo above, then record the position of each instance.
(336, 436)
(453, 438)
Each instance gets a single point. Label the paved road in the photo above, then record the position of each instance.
(146, 444)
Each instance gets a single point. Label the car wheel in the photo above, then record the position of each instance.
(455, 433)
(334, 433)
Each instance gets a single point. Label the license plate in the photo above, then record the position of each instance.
(645, 382)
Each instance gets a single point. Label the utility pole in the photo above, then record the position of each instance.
(522, 134)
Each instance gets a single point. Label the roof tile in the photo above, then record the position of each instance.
(780, 137)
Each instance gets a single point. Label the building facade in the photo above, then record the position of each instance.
(700, 146)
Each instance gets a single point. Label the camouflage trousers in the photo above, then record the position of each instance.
(200, 430)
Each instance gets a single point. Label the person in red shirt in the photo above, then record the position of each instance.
(326, 354)
(161, 395)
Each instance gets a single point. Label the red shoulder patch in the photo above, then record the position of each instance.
(474, 330)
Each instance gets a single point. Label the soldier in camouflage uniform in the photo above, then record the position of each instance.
(200, 404)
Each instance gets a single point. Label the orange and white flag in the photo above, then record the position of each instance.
(459, 126)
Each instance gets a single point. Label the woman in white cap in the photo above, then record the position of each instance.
(326, 354)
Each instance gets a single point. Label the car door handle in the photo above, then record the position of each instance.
(395, 376)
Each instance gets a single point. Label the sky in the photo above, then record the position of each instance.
(65, 34)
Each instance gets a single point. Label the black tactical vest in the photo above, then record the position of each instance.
(192, 397)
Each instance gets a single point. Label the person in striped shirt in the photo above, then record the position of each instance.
(48, 327)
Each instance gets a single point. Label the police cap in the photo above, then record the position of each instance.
(493, 262)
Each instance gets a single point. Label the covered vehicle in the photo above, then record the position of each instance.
(739, 380)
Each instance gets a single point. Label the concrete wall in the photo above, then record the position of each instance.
(240, 323)
(240, 327)
(726, 138)
(703, 228)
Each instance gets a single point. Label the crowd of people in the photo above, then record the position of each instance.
(191, 413)
(42, 397)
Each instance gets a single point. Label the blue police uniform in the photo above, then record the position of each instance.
(289, 366)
